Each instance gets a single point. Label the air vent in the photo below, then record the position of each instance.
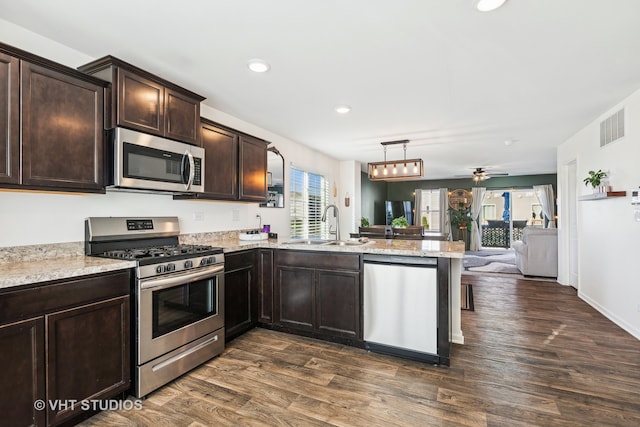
(612, 128)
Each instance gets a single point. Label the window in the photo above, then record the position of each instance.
(488, 212)
(309, 197)
(430, 209)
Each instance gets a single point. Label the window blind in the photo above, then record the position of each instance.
(308, 199)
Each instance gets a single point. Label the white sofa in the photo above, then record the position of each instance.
(537, 252)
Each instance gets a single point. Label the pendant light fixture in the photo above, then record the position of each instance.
(398, 170)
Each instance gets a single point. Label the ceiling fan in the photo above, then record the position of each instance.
(479, 174)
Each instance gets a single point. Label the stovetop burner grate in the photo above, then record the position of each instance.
(164, 252)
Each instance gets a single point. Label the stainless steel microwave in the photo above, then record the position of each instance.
(147, 162)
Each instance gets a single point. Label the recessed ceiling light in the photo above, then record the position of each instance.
(508, 142)
(488, 5)
(258, 66)
(342, 109)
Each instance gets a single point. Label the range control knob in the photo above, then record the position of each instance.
(160, 269)
(171, 267)
(188, 264)
(204, 261)
(211, 260)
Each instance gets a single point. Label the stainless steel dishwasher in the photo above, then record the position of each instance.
(401, 306)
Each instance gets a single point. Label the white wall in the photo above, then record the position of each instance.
(36, 218)
(608, 235)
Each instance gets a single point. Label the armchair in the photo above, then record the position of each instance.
(537, 252)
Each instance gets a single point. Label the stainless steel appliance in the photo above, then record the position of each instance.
(178, 312)
(141, 161)
(400, 306)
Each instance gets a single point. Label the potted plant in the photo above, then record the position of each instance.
(425, 222)
(400, 222)
(595, 179)
(461, 219)
(364, 222)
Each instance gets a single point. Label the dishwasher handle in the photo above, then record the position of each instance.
(426, 262)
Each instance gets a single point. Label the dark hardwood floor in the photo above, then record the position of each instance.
(535, 355)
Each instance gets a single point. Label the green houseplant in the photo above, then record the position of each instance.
(364, 222)
(461, 219)
(400, 222)
(595, 178)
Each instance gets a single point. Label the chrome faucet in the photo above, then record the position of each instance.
(336, 215)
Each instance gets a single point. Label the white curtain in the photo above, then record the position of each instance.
(445, 225)
(417, 207)
(477, 194)
(545, 196)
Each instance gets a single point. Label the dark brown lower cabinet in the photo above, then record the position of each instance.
(60, 343)
(22, 380)
(265, 286)
(240, 293)
(318, 294)
(87, 354)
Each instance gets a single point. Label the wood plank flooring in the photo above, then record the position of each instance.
(535, 355)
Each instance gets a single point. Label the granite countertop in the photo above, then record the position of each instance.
(42, 263)
(19, 273)
(422, 248)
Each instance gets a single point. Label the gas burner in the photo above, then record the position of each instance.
(167, 252)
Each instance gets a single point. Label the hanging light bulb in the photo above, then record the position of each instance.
(384, 171)
(395, 169)
(415, 167)
(375, 171)
(404, 169)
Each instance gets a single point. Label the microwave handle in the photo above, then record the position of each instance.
(188, 156)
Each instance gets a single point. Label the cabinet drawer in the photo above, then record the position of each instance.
(313, 259)
(39, 300)
(238, 260)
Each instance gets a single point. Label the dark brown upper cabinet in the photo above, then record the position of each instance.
(235, 165)
(9, 119)
(51, 122)
(148, 103)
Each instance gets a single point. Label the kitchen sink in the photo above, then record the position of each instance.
(324, 242)
(345, 243)
(307, 242)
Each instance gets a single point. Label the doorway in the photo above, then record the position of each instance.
(572, 222)
(505, 214)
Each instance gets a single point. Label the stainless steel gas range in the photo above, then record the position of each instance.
(178, 314)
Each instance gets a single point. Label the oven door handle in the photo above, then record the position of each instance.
(180, 279)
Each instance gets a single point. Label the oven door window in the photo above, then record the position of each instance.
(151, 164)
(179, 306)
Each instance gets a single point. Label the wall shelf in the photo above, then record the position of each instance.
(601, 196)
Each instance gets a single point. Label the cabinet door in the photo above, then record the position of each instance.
(140, 103)
(182, 117)
(265, 287)
(294, 298)
(240, 302)
(338, 303)
(22, 379)
(87, 354)
(221, 162)
(62, 130)
(9, 120)
(253, 169)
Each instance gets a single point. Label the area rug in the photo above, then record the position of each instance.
(491, 262)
